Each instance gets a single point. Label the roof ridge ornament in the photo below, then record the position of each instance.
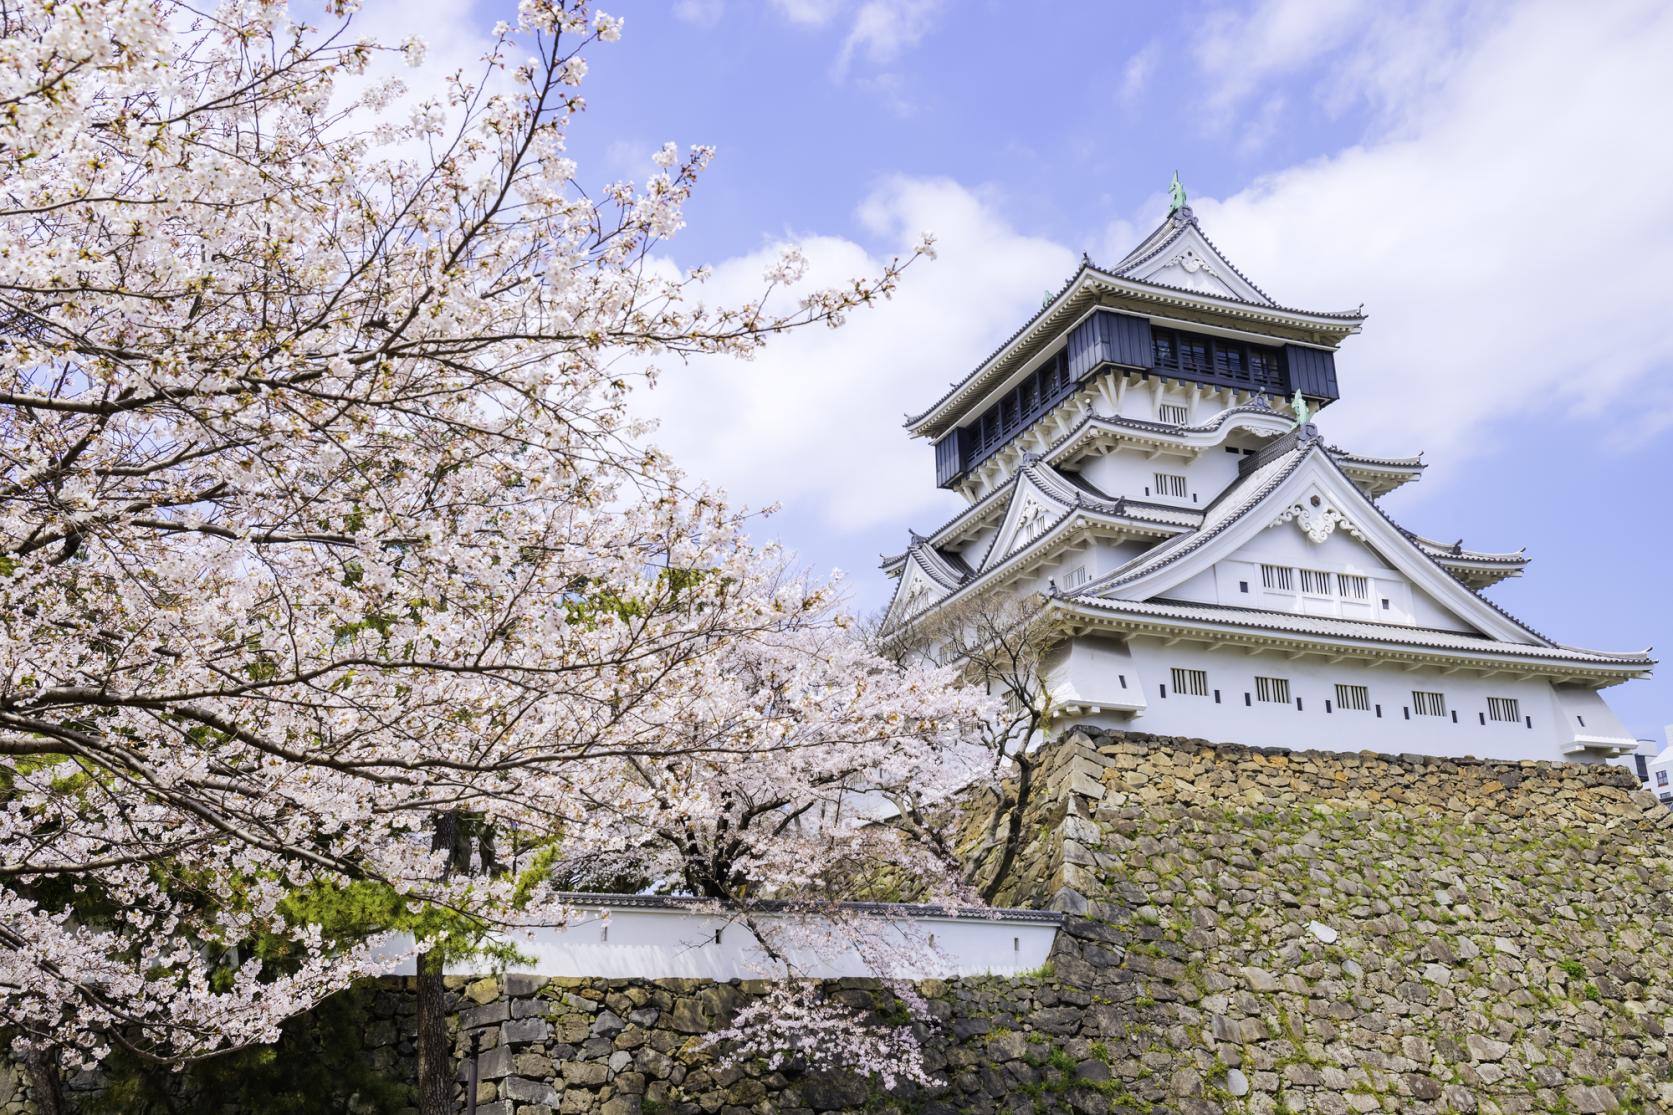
(1176, 196)
(1302, 412)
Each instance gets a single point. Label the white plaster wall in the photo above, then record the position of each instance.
(1095, 672)
(1131, 473)
(1232, 671)
(603, 942)
(1236, 581)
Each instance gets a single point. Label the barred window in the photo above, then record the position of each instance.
(1170, 484)
(1353, 587)
(1353, 698)
(1279, 577)
(1503, 708)
(1075, 577)
(1275, 690)
(1173, 414)
(1425, 703)
(1315, 582)
(1190, 683)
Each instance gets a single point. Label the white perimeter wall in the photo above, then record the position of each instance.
(631, 943)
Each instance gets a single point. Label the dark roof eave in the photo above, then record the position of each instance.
(1344, 322)
(1633, 664)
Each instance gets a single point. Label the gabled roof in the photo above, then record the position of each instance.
(1378, 475)
(1455, 551)
(1178, 254)
(1240, 301)
(1063, 488)
(1064, 495)
(1279, 476)
(1069, 503)
(1262, 625)
(1258, 416)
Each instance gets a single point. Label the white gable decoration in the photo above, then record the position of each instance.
(1032, 521)
(1188, 261)
(1317, 519)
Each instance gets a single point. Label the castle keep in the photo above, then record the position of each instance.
(1140, 455)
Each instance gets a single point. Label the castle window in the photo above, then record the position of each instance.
(1278, 577)
(1503, 708)
(1425, 703)
(1274, 690)
(1314, 582)
(1170, 484)
(1353, 698)
(1190, 683)
(1075, 577)
(1353, 587)
(1173, 414)
(1661, 778)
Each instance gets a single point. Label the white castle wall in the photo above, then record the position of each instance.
(607, 940)
(1554, 710)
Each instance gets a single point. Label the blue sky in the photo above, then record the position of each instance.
(1489, 179)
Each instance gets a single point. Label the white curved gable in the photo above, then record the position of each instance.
(1309, 507)
(1190, 262)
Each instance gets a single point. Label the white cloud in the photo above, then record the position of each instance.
(700, 13)
(808, 13)
(1237, 50)
(1136, 74)
(1511, 237)
(884, 29)
(815, 422)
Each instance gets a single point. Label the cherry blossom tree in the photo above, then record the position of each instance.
(1002, 645)
(324, 525)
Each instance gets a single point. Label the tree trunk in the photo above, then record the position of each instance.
(435, 1061)
(45, 1093)
(1013, 828)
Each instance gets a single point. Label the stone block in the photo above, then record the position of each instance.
(484, 990)
(486, 1015)
(494, 1064)
(525, 1030)
(524, 1090)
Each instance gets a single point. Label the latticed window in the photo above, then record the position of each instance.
(1170, 484)
(1425, 703)
(1503, 708)
(1278, 577)
(1173, 414)
(1275, 690)
(1075, 577)
(1190, 683)
(1353, 587)
(1312, 581)
(1353, 698)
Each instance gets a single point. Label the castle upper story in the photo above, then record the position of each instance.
(1171, 335)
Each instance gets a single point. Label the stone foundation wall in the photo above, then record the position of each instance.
(1251, 931)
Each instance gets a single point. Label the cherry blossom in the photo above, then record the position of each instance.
(322, 514)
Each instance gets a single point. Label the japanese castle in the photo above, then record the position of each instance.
(1139, 458)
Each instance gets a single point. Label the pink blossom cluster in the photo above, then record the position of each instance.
(322, 514)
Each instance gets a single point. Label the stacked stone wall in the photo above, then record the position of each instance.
(1248, 931)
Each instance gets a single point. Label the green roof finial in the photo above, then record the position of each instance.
(1299, 405)
(1176, 195)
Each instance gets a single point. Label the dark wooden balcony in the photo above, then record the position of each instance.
(1110, 338)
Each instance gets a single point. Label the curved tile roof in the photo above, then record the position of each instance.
(1290, 622)
(1056, 303)
(1179, 221)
